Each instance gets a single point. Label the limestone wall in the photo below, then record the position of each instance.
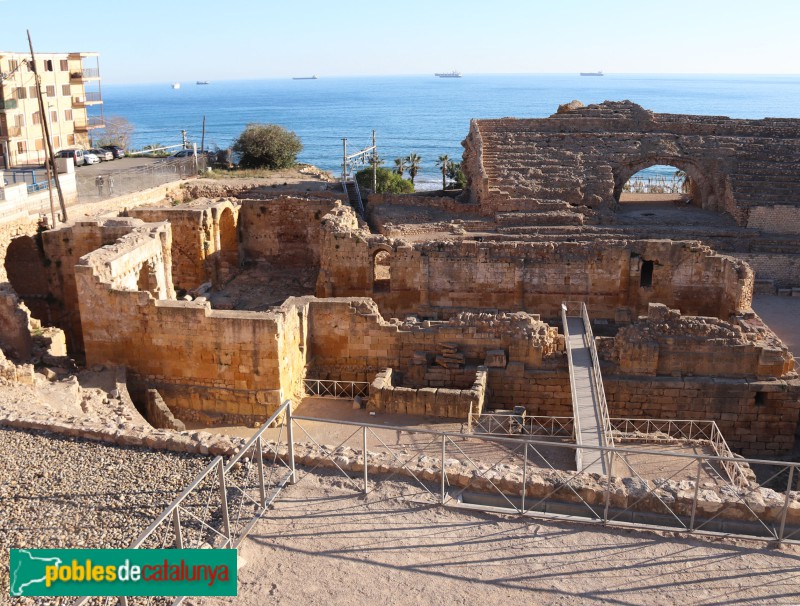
(757, 418)
(15, 334)
(438, 279)
(219, 365)
(586, 154)
(780, 218)
(666, 343)
(285, 230)
(349, 339)
(386, 397)
(198, 239)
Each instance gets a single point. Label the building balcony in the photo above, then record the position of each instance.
(8, 104)
(87, 73)
(86, 125)
(10, 132)
(89, 98)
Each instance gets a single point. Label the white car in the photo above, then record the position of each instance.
(90, 158)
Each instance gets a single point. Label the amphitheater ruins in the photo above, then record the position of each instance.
(452, 306)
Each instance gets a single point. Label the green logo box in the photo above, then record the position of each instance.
(122, 572)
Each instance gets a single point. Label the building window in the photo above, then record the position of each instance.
(21, 93)
(68, 115)
(66, 90)
(70, 139)
(56, 141)
(19, 120)
(64, 65)
(39, 144)
(32, 91)
(21, 147)
(12, 64)
(48, 65)
(51, 91)
(54, 116)
(646, 279)
(37, 118)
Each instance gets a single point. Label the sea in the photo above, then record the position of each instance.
(422, 114)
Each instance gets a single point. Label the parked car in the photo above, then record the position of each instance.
(90, 158)
(102, 154)
(184, 153)
(116, 150)
(78, 156)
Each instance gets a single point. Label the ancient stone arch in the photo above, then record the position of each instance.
(578, 159)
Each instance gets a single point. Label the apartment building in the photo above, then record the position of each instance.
(72, 99)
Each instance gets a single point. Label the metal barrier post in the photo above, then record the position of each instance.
(608, 488)
(696, 491)
(785, 505)
(176, 524)
(290, 439)
(524, 476)
(223, 496)
(260, 462)
(366, 472)
(444, 473)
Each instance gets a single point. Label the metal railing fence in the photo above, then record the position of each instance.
(121, 182)
(658, 430)
(219, 508)
(336, 389)
(525, 425)
(597, 377)
(669, 491)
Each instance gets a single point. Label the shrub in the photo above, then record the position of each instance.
(389, 182)
(267, 146)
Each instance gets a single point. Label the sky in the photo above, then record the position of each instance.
(170, 40)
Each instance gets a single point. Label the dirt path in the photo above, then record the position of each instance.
(325, 544)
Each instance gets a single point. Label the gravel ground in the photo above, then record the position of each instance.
(61, 492)
(324, 544)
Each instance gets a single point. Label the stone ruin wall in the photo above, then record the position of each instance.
(284, 230)
(41, 270)
(197, 239)
(437, 279)
(227, 365)
(584, 155)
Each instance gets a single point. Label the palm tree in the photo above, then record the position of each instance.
(414, 162)
(443, 163)
(400, 166)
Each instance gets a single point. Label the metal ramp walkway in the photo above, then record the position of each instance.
(589, 408)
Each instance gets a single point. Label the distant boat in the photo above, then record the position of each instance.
(598, 73)
(199, 82)
(452, 74)
(176, 85)
(306, 78)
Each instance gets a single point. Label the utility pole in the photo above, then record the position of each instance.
(51, 160)
(203, 137)
(374, 164)
(344, 159)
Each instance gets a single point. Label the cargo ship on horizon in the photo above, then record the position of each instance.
(597, 73)
(453, 74)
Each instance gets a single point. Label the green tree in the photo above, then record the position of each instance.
(400, 166)
(388, 182)
(414, 163)
(443, 163)
(455, 173)
(267, 146)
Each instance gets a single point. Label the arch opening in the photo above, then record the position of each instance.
(381, 271)
(664, 179)
(228, 239)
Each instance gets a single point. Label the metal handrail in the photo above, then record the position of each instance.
(597, 377)
(573, 393)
